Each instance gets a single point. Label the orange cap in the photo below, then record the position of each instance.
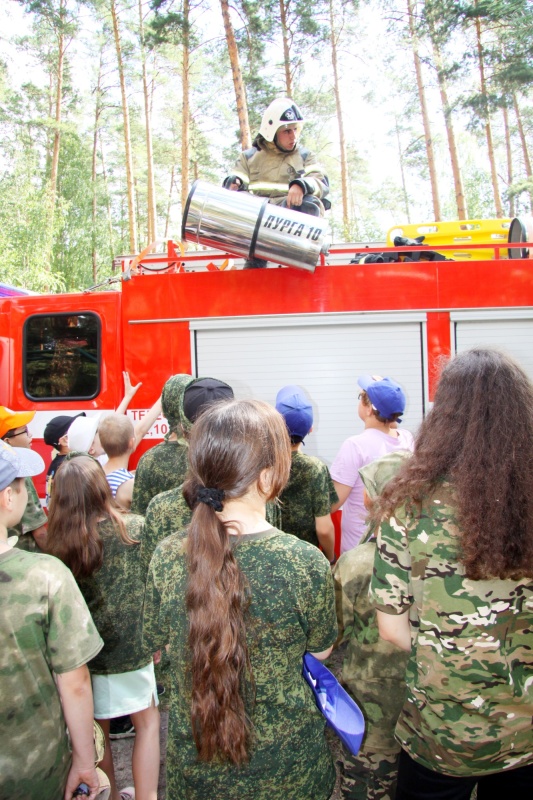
(13, 419)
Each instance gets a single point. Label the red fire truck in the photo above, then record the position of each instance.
(261, 329)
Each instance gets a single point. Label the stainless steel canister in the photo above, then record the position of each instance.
(248, 226)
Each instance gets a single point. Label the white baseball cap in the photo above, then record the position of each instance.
(82, 432)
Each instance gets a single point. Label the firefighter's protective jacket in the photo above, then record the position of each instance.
(269, 172)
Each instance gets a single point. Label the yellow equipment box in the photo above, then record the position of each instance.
(459, 233)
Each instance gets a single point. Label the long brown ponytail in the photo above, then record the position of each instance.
(230, 446)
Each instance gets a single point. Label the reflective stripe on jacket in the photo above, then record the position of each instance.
(268, 172)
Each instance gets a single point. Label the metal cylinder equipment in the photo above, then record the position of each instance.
(248, 226)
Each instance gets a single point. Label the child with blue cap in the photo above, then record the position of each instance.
(381, 405)
(306, 500)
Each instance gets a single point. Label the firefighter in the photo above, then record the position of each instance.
(277, 167)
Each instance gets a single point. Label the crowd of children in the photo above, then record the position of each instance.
(201, 570)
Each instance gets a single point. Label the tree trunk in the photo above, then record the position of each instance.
(185, 110)
(425, 116)
(509, 157)
(59, 98)
(137, 208)
(525, 152)
(342, 141)
(169, 203)
(108, 203)
(460, 200)
(286, 50)
(54, 164)
(97, 112)
(132, 223)
(400, 159)
(152, 215)
(488, 129)
(50, 133)
(240, 92)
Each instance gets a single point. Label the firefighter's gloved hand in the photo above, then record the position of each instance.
(295, 196)
(232, 182)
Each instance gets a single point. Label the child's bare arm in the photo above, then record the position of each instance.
(142, 427)
(124, 494)
(129, 393)
(325, 531)
(77, 700)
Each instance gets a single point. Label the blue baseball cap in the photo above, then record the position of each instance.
(386, 396)
(18, 462)
(292, 403)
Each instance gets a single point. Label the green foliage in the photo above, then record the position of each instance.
(478, 193)
(522, 191)
(375, 69)
(168, 25)
(75, 235)
(23, 226)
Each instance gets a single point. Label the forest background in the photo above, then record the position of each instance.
(109, 109)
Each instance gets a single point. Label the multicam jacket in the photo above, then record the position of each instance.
(33, 518)
(373, 670)
(45, 628)
(292, 610)
(469, 678)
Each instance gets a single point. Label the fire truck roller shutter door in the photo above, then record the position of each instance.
(324, 356)
(511, 331)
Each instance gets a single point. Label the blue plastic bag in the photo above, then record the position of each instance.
(341, 711)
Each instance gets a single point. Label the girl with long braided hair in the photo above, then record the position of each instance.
(237, 603)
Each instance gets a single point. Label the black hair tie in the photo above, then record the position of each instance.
(211, 497)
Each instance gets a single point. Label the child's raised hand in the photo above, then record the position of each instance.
(129, 390)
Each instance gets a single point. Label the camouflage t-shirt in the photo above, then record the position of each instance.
(45, 627)
(292, 610)
(169, 513)
(309, 493)
(161, 468)
(115, 595)
(33, 518)
(373, 669)
(469, 678)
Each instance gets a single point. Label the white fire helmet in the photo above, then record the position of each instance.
(279, 113)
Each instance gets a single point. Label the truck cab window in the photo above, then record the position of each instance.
(62, 356)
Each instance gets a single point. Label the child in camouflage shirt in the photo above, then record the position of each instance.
(308, 496)
(101, 546)
(47, 637)
(238, 603)
(31, 529)
(373, 671)
(452, 585)
(164, 466)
